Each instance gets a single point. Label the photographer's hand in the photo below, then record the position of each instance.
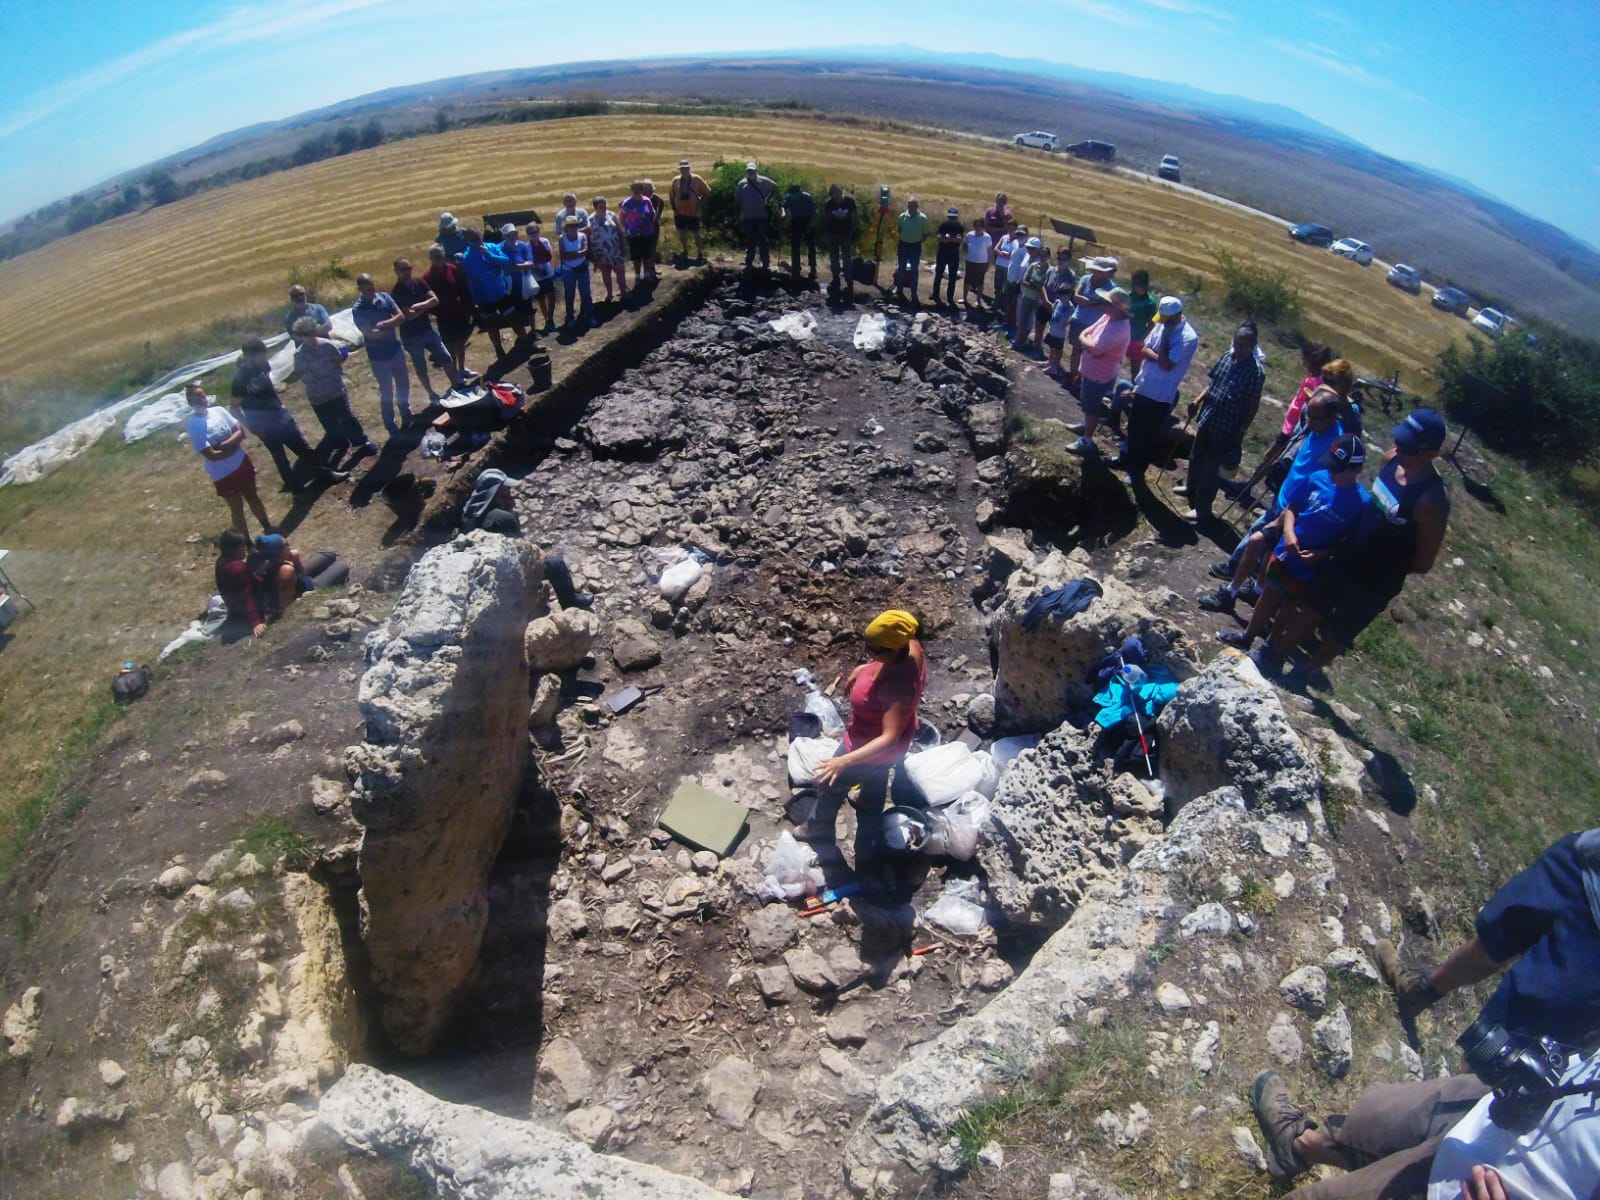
(1483, 1184)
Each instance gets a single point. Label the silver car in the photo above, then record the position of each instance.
(1406, 278)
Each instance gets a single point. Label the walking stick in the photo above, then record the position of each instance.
(1133, 699)
(1266, 464)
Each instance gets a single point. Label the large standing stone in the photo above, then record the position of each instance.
(1226, 727)
(1045, 674)
(466, 1151)
(445, 699)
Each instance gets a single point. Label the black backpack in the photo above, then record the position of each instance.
(130, 683)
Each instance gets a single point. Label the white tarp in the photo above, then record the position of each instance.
(152, 418)
(871, 331)
(801, 325)
(33, 463)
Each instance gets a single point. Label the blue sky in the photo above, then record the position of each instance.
(1503, 94)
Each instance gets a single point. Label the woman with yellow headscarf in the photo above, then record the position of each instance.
(884, 694)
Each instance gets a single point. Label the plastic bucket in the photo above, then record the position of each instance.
(539, 370)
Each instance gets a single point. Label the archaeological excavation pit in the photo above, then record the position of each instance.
(607, 980)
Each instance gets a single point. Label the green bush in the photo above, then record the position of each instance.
(721, 209)
(1538, 402)
(1262, 293)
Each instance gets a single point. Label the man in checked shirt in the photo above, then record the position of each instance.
(1225, 408)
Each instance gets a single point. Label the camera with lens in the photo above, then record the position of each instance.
(1525, 1072)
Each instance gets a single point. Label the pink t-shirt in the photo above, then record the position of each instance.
(1292, 418)
(877, 689)
(1104, 344)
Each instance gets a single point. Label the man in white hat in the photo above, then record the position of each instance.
(1167, 353)
(452, 239)
(755, 219)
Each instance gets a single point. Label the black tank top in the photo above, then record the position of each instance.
(1385, 541)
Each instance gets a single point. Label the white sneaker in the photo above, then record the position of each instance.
(1075, 428)
(1191, 515)
(1082, 446)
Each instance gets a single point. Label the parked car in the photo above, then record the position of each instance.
(1312, 234)
(1356, 251)
(1094, 150)
(1406, 278)
(1491, 321)
(1452, 300)
(1038, 140)
(1169, 168)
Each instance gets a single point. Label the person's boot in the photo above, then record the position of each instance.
(1412, 985)
(1281, 1121)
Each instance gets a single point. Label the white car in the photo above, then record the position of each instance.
(1491, 321)
(1170, 168)
(1356, 252)
(1038, 140)
(1406, 277)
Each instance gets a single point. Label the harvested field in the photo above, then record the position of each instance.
(367, 207)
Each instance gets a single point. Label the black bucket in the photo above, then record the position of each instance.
(539, 369)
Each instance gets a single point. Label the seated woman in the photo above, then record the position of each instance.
(236, 584)
(492, 507)
(282, 577)
(884, 694)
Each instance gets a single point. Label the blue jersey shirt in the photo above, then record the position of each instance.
(485, 267)
(1323, 514)
(1307, 460)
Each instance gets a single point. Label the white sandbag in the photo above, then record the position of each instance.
(169, 410)
(677, 579)
(871, 331)
(946, 772)
(805, 754)
(792, 871)
(801, 325)
(956, 829)
(959, 908)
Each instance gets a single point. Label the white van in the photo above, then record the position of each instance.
(1039, 140)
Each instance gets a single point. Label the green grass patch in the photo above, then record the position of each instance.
(272, 838)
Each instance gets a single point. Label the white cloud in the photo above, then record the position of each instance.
(243, 26)
(1189, 8)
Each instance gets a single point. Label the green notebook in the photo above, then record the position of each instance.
(704, 819)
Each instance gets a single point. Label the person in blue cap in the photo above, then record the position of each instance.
(1399, 534)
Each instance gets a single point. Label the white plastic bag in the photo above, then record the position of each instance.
(823, 709)
(679, 578)
(959, 908)
(792, 871)
(957, 828)
(947, 772)
(805, 754)
(1007, 748)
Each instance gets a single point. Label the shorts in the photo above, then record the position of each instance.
(687, 224)
(1136, 355)
(1092, 397)
(1293, 590)
(976, 273)
(1348, 604)
(241, 482)
(493, 311)
(642, 246)
(1055, 341)
(454, 329)
(1075, 331)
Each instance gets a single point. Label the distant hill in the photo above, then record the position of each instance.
(1265, 155)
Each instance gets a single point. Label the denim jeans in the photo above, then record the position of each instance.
(908, 265)
(423, 345)
(340, 426)
(278, 432)
(841, 255)
(575, 282)
(757, 236)
(394, 383)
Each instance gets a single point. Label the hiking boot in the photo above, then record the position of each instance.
(1411, 984)
(1249, 591)
(1220, 570)
(1233, 637)
(1219, 601)
(1281, 1121)
(578, 600)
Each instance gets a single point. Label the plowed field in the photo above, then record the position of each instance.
(150, 276)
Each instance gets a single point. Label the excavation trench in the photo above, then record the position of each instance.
(627, 991)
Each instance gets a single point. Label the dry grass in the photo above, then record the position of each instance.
(231, 250)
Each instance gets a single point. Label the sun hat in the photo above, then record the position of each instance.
(507, 228)
(1423, 430)
(1115, 296)
(446, 220)
(569, 221)
(952, 211)
(270, 543)
(892, 629)
(1345, 453)
(749, 166)
(683, 162)
(1096, 262)
(1170, 306)
(1035, 244)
